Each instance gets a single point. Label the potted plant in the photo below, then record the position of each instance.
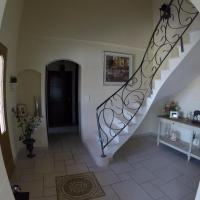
(28, 125)
(13, 79)
(171, 106)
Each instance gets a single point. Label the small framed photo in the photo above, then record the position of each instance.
(118, 68)
(21, 110)
(174, 114)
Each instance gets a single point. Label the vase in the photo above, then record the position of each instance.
(29, 146)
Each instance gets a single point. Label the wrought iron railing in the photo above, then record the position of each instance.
(175, 19)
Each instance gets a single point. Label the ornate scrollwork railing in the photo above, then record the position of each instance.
(176, 18)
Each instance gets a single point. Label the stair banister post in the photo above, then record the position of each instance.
(182, 44)
(100, 138)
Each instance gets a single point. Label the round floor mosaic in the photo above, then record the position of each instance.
(78, 187)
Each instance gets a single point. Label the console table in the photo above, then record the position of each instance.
(187, 148)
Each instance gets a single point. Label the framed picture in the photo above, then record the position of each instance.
(22, 110)
(174, 114)
(118, 68)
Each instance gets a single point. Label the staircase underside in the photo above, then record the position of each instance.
(185, 73)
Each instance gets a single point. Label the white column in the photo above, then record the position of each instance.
(198, 193)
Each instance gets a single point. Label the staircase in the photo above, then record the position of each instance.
(119, 116)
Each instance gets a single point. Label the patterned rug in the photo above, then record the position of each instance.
(78, 187)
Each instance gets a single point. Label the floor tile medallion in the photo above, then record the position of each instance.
(82, 186)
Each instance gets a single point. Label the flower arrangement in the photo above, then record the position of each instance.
(171, 106)
(28, 125)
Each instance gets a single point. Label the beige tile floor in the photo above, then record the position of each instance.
(140, 171)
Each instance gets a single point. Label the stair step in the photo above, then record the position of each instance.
(133, 105)
(130, 113)
(174, 62)
(110, 134)
(116, 129)
(194, 36)
(121, 121)
(130, 110)
(164, 74)
(117, 125)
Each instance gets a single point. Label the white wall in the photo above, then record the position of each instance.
(123, 22)
(88, 29)
(189, 98)
(38, 52)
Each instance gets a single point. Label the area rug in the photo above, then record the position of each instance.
(82, 186)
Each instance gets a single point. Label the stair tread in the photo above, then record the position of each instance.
(130, 110)
(123, 119)
(116, 132)
(123, 138)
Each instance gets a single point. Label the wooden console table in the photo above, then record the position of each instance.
(186, 148)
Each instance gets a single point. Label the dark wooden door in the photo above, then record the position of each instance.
(60, 98)
(4, 137)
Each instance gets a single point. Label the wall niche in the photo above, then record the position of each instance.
(29, 90)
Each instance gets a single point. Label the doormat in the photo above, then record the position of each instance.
(82, 186)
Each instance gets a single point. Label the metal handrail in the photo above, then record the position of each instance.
(176, 18)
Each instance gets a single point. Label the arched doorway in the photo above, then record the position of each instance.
(62, 96)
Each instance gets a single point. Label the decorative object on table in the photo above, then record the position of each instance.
(189, 116)
(196, 116)
(78, 187)
(171, 106)
(28, 125)
(118, 68)
(174, 114)
(173, 136)
(168, 130)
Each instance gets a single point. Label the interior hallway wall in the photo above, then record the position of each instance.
(89, 29)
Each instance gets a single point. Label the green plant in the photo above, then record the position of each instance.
(13, 79)
(27, 124)
(171, 106)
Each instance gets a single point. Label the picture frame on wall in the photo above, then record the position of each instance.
(118, 68)
(22, 110)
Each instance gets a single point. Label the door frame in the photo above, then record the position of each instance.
(79, 92)
(9, 165)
